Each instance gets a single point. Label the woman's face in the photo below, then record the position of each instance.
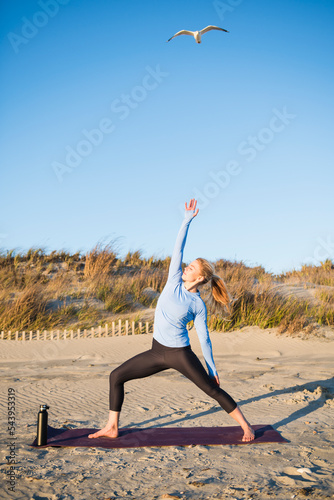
(192, 271)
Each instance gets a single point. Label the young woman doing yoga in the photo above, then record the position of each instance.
(179, 303)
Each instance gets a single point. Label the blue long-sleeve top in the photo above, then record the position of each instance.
(177, 306)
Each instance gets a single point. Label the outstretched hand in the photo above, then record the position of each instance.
(192, 206)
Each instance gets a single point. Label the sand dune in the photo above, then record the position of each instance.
(285, 381)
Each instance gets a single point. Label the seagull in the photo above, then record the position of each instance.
(197, 34)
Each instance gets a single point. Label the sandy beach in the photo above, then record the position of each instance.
(278, 379)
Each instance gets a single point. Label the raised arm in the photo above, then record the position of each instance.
(175, 267)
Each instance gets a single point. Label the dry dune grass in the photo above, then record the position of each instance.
(99, 262)
(27, 309)
(43, 291)
(320, 275)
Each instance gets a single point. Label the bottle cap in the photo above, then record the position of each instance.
(44, 407)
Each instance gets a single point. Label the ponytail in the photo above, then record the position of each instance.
(219, 298)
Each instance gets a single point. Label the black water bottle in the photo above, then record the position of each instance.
(42, 425)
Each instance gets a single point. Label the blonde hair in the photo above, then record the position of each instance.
(219, 298)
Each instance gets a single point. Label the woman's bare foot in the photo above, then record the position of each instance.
(111, 429)
(249, 434)
(106, 432)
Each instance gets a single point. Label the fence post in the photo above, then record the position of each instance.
(44, 334)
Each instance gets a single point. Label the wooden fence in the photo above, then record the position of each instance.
(115, 329)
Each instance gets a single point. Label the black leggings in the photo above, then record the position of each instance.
(160, 358)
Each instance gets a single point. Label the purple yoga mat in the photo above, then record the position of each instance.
(160, 436)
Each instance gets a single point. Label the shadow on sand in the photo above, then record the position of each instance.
(326, 392)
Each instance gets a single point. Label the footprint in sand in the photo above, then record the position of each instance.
(292, 476)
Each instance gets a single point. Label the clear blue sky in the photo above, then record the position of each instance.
(243, 121)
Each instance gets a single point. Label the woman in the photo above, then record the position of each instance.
(179, 303)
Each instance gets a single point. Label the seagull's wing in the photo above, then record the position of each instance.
(209, 28)
(183, 32)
